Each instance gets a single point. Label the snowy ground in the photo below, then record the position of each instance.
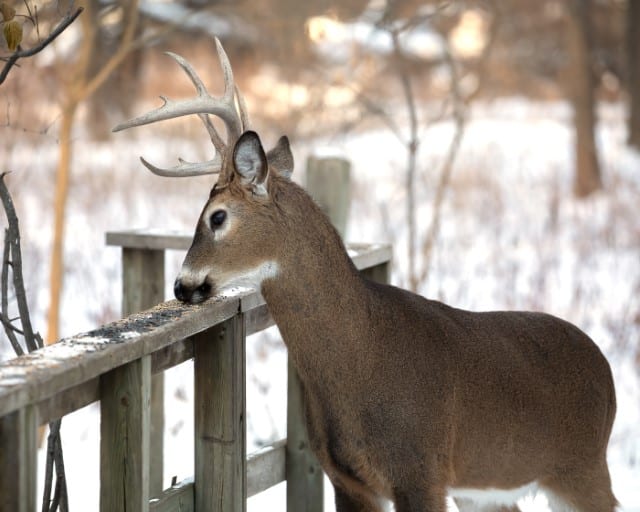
(511, 237)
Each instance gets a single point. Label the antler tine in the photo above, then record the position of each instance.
(186, 169)
(242, 107)
(216, 140)
(203, 103)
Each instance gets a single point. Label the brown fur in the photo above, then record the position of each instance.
(407, 397)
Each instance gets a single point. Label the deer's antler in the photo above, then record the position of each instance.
(230, 107)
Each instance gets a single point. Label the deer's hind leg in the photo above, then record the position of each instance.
(581, 491)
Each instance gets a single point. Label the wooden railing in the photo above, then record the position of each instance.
(121, 364)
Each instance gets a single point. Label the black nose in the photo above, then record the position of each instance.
(180, 291)
(190, 294)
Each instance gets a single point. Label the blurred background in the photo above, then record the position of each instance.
(495, 145)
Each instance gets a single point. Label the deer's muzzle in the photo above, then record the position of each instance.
(192, 294)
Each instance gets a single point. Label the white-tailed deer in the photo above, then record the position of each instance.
(407, 399)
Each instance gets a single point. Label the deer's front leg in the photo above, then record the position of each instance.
(346, 502)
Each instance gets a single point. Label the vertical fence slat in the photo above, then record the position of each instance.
(220, 409)
(305, 490)
(18, 460)
(142, 288)
(124, 437)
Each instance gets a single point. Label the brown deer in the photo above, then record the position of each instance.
(407, 399)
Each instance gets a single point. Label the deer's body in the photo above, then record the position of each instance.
(407, 399)
(406, 393)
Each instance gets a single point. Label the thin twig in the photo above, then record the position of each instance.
(447, 165)
(20, 54)
(9, 329)
(13, 233)
(48, 471)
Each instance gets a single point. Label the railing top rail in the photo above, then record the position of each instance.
(78, 359)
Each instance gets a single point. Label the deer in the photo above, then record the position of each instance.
(408, 400)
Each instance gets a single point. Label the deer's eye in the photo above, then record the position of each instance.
(217, 219)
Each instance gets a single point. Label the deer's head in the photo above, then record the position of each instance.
(241, 211)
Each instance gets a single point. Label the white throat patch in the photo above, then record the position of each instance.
(252, 278)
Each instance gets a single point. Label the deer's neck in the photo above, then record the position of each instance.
(318, 297)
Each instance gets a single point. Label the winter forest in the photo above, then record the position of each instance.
(495, 146)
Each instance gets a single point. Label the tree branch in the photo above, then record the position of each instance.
(8, 326)
(64, 23)
(447, 165)
(13, 235)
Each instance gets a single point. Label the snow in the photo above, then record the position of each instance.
(512, 237)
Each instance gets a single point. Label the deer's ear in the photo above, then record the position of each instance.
(280, 158)
(250, 162)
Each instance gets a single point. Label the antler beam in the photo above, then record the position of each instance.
(230, 107)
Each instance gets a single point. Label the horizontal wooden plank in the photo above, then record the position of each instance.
(81, 395)
(178, 498)
(73, 361)
(68, 401)
(265, 468)
(150, 239)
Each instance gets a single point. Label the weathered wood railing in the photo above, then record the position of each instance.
(118, 364)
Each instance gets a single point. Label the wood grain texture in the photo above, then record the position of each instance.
(125, 396)
(265, 468)
(18, 460)
(305, 490)
(220, 411)
(142, 288)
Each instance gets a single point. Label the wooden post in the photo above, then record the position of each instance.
(142, 288)
(329, 183)
(305, 489)
(220, 411)
(125, 395)
(18, 460)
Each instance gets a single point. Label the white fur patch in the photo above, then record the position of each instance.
(489, 496)
(252, 278)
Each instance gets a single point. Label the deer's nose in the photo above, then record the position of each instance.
(181, 292)
(192, 294)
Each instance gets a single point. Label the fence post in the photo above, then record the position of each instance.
(125, 395)
(328, 182)
(142, 288)
(18, 460)
(220, 412)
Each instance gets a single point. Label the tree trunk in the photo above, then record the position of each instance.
(581, 91)
(633, 65)
(79, 88)
(59, 209)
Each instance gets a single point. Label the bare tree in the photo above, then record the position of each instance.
(80, 86)
(633, 66)
(55, 492)
(582, 96)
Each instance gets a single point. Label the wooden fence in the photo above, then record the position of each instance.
(121, 365)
